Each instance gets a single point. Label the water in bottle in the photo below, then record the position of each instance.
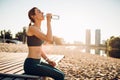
(54, 17)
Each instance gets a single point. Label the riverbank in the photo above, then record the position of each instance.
(76, 64)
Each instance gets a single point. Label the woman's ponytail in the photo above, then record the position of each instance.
(30, 23)
(31, 13)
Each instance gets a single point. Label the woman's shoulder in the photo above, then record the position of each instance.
(28, 30)
(32, 28)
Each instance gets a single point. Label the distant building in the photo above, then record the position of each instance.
(97, 37)
(97, 40)
(88, 40)
(88, 37)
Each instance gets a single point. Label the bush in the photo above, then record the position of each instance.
(113, 47)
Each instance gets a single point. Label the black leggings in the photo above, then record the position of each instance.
(35, 67)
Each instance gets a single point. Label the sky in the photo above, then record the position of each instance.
(75, 17)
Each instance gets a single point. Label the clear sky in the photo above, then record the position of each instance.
(75, 16)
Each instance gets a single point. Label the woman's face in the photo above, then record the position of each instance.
(39, 14)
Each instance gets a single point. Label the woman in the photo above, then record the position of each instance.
(35, 38)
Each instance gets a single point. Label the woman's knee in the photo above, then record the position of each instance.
(60, 76)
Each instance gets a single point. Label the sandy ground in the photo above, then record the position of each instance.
(76, 64)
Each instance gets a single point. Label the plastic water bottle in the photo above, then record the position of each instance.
(54, 17)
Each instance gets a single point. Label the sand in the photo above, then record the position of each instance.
(77, 65)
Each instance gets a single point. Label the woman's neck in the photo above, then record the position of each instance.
(37, 24)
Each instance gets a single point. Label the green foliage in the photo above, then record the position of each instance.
(21, 36)
(114, 42)
(57, 40)
(113, 46)
(6, 34)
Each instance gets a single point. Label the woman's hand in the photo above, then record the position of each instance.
(49, 16)
(51, 63)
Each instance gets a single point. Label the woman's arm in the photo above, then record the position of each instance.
(49, 29)
(43, 54)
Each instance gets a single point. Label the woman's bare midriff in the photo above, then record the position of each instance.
(34, 52)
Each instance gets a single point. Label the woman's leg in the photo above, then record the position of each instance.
(45, 69)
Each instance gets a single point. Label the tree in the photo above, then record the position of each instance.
(6, 34)
(24, 35)
(57, 40)
(113, 46)
(115, 42)
(21, 36)
(1, 34)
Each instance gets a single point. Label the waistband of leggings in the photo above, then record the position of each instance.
(33, 60)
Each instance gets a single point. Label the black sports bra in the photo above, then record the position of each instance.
(34, 41)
